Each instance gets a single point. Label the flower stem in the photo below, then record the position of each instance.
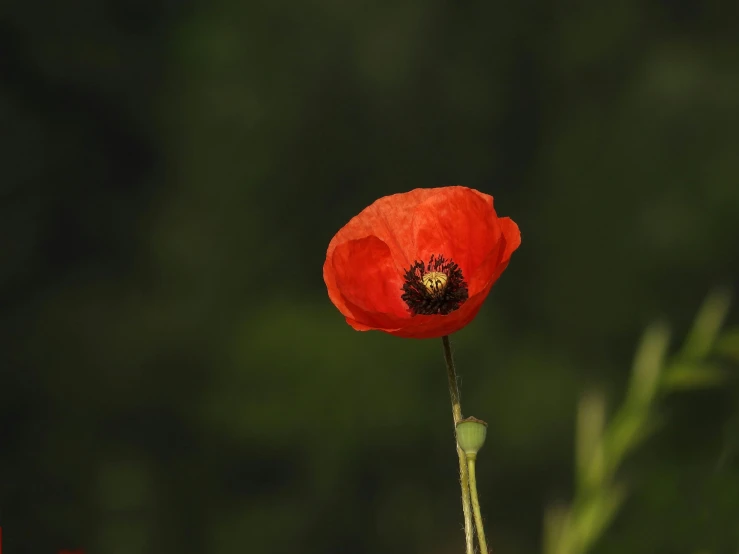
(476, 505)
(463, 471)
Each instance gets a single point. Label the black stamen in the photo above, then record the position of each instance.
(422, 301)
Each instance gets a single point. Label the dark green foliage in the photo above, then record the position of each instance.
(174, 378)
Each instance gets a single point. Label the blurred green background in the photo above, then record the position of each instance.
(174, 377)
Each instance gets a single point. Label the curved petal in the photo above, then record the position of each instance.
(512, 236)
(369, 283)
(361, 326)
(459, 223)
(334, 294)
(497, 259)
(432, 326)
(390, 219)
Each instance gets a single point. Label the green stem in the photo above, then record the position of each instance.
(476, 504)
(463, 475)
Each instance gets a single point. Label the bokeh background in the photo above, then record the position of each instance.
(174, 377)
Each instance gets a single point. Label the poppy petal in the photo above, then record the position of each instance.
(460, 224)
(512, 236)
(369, 282)
(434, 326)
(389, 219)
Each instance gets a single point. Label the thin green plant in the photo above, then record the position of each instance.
(602, 446)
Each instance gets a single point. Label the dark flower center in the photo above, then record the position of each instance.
(434, 288)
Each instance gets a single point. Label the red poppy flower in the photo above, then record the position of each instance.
(419, 264)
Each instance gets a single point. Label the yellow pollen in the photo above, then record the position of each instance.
(435, 282)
